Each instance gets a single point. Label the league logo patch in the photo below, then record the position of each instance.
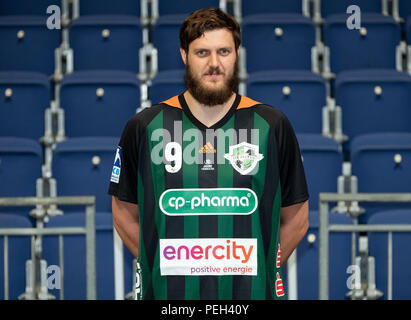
(115, 173)
(244, 157)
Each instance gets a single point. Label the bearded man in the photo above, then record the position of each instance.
(220, 213)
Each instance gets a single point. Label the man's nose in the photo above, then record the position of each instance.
(214, 61)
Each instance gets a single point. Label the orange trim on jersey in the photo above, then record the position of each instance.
(246, 102)
(174, 102)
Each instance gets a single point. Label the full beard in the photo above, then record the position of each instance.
(207, 96)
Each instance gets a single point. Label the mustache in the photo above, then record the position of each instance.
(214, 70)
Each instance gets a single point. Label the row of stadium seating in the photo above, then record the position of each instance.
(402, 8)
(323, 7)
(371, 100)
(270, 41)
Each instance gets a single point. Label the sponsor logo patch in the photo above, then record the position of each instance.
(208, 201)
(279, 287)
(278, 259)
(208, 256)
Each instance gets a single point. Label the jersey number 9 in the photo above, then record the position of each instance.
(173, 155)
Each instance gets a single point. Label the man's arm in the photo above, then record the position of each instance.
(293, 226)
(126, 222)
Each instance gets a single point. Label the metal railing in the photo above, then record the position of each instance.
(89, 231)
(325, 228)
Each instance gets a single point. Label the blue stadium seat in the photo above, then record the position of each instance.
(26, 7)
(109, 98)
(97, 7)
(381, 164)
(75, 268)
(322, 162)
(288, 91)
(374, 101)
(27, 45)
(165, 37)
(106, 42)
(82, 166)
(250, 7)
(18, 253)
(166, 84)
(401, 253)
(374, 159)
(20, 167)
(166, 7)
(339, 259)
(278, 41)
(404, 8)
(340, 7)
(371, 47)
(24, 98)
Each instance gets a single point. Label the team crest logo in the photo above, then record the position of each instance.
(244, 157)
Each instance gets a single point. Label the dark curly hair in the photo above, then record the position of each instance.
(209, 19)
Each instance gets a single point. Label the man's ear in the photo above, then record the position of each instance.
(183, 55)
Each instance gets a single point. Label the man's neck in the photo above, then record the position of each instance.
(208, 115)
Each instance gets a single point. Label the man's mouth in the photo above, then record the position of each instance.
(213, 75)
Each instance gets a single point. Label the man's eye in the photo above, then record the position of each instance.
(201, 52)
(224, 51)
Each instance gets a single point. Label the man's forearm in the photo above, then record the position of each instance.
(130, 237)
(126, 222)
(293, 228)
(290, 237)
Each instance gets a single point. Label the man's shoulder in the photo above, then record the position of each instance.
(271, 114)
(144, 117)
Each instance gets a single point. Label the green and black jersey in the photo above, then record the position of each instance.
(209, 199)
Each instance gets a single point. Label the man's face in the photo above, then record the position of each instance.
(211, 67)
